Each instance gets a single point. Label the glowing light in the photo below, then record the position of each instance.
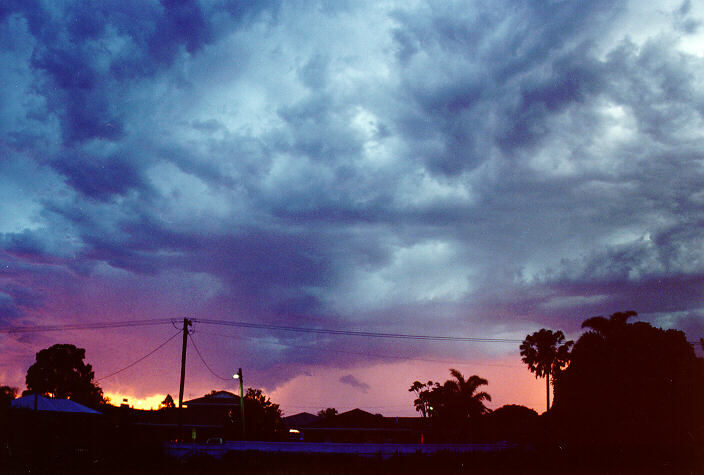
(149, 402)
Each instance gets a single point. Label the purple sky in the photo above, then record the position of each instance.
(454, 168)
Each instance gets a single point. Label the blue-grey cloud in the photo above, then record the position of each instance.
(399, 168)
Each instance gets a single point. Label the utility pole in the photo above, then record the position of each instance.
(186, 324)
(238, 375)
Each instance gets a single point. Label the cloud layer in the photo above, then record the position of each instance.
(474, 168)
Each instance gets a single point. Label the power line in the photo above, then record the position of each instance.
(359, 353)
(83, 326)
(261, 326)
(402, 336)
(142, 358)
(203, 360)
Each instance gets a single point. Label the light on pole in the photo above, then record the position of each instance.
(238, 375)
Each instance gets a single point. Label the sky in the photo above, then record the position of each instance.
(474, 169)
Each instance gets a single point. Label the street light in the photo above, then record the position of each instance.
(238, 375)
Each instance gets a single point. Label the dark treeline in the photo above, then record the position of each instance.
(626, 389)
(630, 384)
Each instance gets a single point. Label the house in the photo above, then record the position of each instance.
(302, 419)
(358, 426)
(213, 415)
(295, 423)
(219, 408)
(46, 429)
(215, 402)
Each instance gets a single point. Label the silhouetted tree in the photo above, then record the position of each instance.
(631, 383)
(7, 394)
(167, 402)
(328, 413)
(263, 417)
(465, 398)
(607, 326)
(60, 372)
(513, 423)
(546, 353)
(454, 404)
(422, 401)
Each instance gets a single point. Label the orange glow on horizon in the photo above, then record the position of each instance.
(149, 402)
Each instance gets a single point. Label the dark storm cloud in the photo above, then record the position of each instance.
(74, 87)
(489, 167)
(273, 272)
(182, 24)
(98, 177)
(88, 53)
(27, 244)
(131, 239)
(23, 296)
(483, 89)
(17, 301)
(662, 272)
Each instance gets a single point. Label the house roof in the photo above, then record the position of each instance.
(358, 419)
(353, 418)
(51, 405)
(302, 419)
(219, 398)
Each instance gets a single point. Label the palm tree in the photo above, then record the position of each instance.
(545, 354)
(464, 391)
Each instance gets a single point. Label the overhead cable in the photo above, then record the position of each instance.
(142, 358)
(84, 326)
(326, 331)
(359, 353)
(203, 361)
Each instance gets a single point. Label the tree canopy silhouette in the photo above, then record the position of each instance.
(167, 402)
(456, 397)
(60, 372)
(546, 353)
(512, 423)
(328, 413)
(631, 383)
(462, 397)
(7, 394)
(606, 326)
(263, 417)
(423, 396)
(453, 405)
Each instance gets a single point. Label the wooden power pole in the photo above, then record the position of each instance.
(186, 324)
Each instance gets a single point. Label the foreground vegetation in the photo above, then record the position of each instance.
(627, 395)
(622, 384)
